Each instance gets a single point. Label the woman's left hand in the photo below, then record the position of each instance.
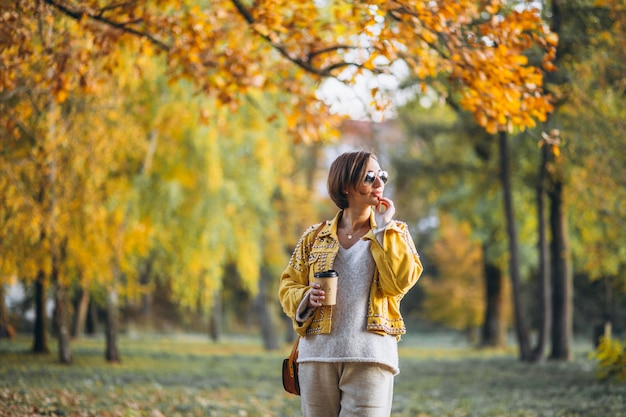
(384, 211)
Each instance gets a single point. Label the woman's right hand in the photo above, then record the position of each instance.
(316, 296)
(384, 211)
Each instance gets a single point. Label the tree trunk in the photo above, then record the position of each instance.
(493, 331)
(605, 327)
(147, 299)
(61, 314)
(561, 272)
(61, 322)
(80, 318)
(311, 162)
(544, 261)
(215, 321)
(514, 267)
(6, 330)
(263, 314)
(112, 353)
(562, 278)
(91, 326)
(40, 342)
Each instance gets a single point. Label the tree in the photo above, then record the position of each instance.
(6, 329)
(459, 184)
(57, 219)
(459, 263)
(590, 119)
(514, 111)
(545, 277)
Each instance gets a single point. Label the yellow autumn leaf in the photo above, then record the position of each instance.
(552, 39)
(520, 59)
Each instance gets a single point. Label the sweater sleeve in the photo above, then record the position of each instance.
(304, 311)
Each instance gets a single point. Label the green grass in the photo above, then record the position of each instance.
(191, 376)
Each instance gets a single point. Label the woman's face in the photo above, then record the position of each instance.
(368, 194)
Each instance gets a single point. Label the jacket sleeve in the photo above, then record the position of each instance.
(294, 281)
(399, 266)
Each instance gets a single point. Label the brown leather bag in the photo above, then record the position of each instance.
(290, 371)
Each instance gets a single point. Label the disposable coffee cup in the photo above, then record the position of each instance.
(328, 283)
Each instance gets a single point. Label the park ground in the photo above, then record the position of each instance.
(188, 375)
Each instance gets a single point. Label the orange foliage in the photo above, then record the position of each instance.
(232, 46)
(456, 296)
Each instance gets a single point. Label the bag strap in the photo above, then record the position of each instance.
(294, 349)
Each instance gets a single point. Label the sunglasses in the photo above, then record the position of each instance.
(370, 177)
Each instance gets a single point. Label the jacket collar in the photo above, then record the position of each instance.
(330, 228)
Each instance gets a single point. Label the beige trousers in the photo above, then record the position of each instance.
(345, 389)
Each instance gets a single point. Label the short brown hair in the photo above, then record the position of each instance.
(346, 173)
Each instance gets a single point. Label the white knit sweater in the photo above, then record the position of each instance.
(349, 341)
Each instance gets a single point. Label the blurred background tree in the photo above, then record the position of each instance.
(458, 263)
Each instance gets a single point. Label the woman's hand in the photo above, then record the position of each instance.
(384, 211)
(316, 296)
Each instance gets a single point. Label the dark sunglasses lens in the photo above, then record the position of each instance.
(370, 177)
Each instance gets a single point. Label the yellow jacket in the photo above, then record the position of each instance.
(398, 268)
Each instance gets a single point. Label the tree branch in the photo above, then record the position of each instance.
(303, 64)
(78, 15)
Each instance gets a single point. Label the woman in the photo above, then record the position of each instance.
(348, 353)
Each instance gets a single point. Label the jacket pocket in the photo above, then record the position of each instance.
(315, 262)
